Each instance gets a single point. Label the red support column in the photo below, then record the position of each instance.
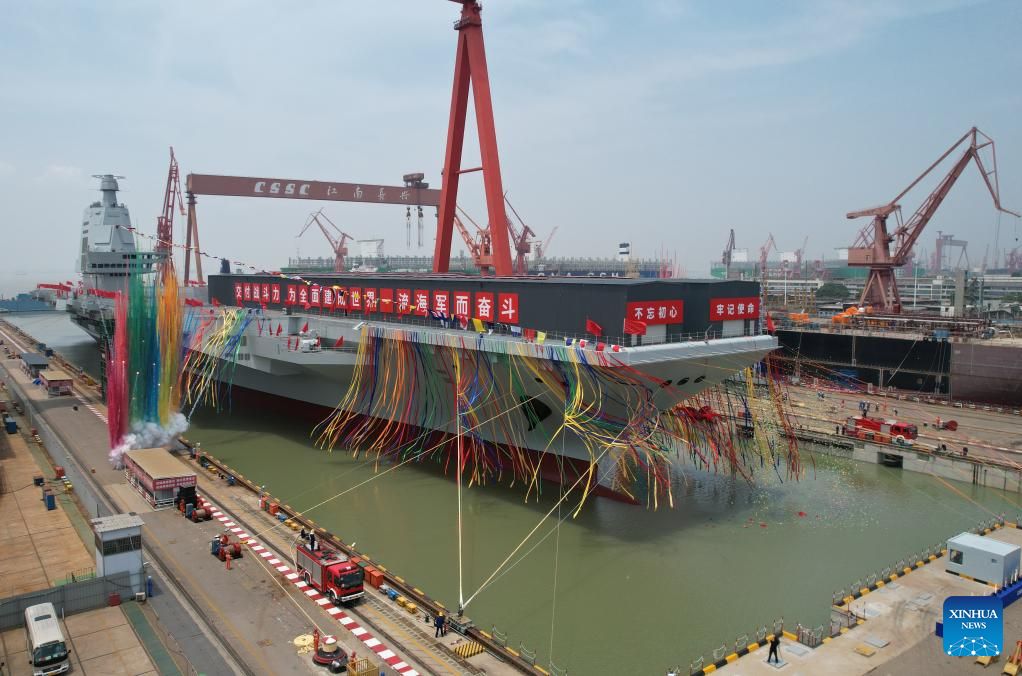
(470, 68)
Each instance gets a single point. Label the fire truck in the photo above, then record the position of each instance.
(877, 429)
(330, 572)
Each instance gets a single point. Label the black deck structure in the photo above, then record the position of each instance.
(554, 304)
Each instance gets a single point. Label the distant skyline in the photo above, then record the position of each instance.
(662, 123)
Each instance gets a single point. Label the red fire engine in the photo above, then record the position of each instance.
(330, 573)
(876, 429)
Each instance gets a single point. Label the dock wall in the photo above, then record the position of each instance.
(1001, 475)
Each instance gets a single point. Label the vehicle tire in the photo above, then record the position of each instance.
(333, 598)
(900, 440)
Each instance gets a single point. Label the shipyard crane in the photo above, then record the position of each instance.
(725, 258)
(479, 247)
(165, 221)
(337, 244)
(521, 240)
(1013, 260)
(799, 253)
(764, 251)
(872, 248)
(541, 248)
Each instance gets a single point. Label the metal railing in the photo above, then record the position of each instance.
(500, 331)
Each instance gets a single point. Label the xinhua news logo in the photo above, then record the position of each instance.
(973, 626)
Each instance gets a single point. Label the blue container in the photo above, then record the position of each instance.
(281, 517)
(392, 594)
(51, 501)
(149, 586)
(214, 547)
(10, 425)
(189, 508)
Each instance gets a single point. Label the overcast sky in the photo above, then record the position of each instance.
(661, 122)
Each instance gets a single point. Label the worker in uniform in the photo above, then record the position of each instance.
(775, 643)
(439, 622)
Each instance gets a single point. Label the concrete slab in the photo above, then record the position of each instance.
(96, 620)
(126, 661)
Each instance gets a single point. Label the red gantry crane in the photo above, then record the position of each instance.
(338, 245)
(872, 249)
(165, 222)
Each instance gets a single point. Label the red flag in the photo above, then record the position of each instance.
(289, 342)
(216, 303)
(279, 329)
(593, 328)
(770, 324)
(634, 327)
(339, 342)
(305, 329)
(193, 302)
(260, 327)
(530, 334)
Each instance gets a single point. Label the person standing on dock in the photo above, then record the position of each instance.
(775, 643)
(439, 623)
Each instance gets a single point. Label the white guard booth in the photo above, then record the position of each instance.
(983, 558)
(119, 547)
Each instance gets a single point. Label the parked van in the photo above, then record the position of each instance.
(47, 650)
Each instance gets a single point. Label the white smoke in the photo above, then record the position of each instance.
(148, 435)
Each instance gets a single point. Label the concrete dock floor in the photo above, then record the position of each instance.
(101, 642)
(902, 616)
(258, 616)
(37, 546)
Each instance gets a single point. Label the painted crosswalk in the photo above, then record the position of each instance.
(382, 651)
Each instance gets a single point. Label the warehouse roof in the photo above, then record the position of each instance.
(35, 359)
(158, 463)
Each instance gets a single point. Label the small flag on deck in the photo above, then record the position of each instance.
(540, 336)
(339, 342)
(478, 325)
(305, 329)
(279, 329)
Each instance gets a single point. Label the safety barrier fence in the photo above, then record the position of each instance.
(843, 616)
(494, 643)
(68, 599)
(728, 652)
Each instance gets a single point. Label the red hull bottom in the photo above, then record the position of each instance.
(550, 469)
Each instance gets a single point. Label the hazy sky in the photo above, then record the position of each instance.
(662, 122)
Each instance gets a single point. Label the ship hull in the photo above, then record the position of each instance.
(630, 387)
(565, 473)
